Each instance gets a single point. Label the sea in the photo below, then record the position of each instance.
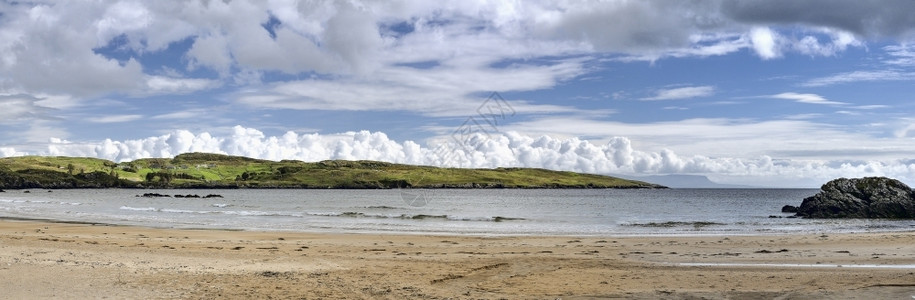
(486, 212)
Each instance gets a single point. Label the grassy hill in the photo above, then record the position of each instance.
(205, 170)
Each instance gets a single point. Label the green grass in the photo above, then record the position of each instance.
(201, 170)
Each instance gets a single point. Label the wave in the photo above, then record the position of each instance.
(204, 212)
(382, 207)
(346, 214)
(352, 214)
(260, 213)
(40, 202)
(669, 224)
(139, 208)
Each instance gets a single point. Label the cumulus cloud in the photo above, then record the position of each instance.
(838, 42)
(765, 42)
(683, 93)
(509, 149)
(735, 138)
(44, 46)
(770, 44)
(10, 152)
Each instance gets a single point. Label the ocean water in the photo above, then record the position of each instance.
(595, 212)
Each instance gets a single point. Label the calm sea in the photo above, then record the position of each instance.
(483, 212)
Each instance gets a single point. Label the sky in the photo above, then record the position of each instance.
(774, 93)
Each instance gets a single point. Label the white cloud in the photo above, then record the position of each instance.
(38, 131)
(43, 43)
(183, 114)
(120, 18)
(872, 106)
(861, 76)
(440, 91)
(15, 108)
(10, 152)
(683, 93)
(211, 51)
(765, 42)
(162, 84)
(49, 49)
(902, 55)
(733, 138)
(908, 131)
(115, 119)
(811, 45)
(806, 98)
(618, 155)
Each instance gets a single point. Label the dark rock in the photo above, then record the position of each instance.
(213, 196)
(152, 195)
(869, 197)
(789, 209)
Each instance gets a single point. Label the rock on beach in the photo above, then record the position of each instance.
(869, 197)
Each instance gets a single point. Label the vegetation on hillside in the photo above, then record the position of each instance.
(205, 170)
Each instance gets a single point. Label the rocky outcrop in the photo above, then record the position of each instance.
(869, 197)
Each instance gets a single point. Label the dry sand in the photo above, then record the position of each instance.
(55, 260)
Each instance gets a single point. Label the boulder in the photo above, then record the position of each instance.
(789, 209)
(869, 197)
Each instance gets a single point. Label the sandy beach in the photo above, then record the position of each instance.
(59, 260)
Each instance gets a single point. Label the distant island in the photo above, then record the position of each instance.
(207, 170)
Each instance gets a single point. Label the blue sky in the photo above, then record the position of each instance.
(771, 93)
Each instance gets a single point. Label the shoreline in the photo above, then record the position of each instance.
(331, 231)
(131, 262)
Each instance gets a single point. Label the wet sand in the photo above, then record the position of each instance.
(57, 260)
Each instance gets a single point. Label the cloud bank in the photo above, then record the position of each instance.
(508, 149)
